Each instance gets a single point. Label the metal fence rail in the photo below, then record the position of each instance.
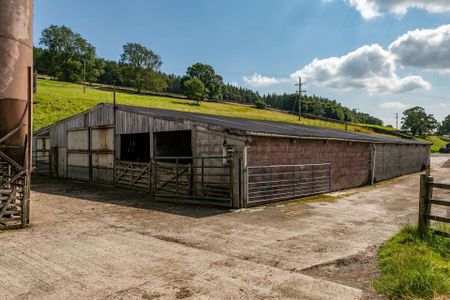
(281, 182)
(42, 162)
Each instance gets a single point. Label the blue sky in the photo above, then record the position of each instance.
(364, 59)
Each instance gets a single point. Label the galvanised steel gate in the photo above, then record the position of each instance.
(281, 182)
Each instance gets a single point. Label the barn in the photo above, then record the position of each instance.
(217, 160)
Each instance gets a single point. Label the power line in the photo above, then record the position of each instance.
(300, 93)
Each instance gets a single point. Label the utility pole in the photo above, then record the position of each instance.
(84, 76)
(396, 121)
(114, 95)
(300, 93)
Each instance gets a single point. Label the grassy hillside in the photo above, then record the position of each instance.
(438, 142)
(55, 101)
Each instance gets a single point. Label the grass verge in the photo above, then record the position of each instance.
(414, 268)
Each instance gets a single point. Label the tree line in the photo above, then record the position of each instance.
(65, 54)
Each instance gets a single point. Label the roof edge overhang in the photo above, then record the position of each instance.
(402, 142)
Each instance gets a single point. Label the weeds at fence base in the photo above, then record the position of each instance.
(413, 267)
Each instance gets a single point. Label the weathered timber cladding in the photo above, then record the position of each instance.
(127, 123)
(396, 160)
(102, 154)
(213, 143)
(98, 116)
(350, 162)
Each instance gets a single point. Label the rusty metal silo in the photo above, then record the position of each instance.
(16, 61)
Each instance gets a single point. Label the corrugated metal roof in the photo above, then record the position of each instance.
(264, 127)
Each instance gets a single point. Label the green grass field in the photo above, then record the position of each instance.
(413, 267)
(56, 100)
(438, 142)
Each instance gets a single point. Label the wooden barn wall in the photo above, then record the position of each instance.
(99, 116)
(128, 123)
(209, 143)
(215, 143)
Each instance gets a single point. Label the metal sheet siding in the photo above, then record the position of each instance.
(102, 160)
(102, 139)
(62, 162)
(78, 140)
(78, 159)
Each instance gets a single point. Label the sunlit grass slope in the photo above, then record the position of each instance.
(438, 142)
(56, 100)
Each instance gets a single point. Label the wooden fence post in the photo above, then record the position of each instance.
(428, 199)
(424, 203)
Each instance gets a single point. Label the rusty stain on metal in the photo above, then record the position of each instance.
(16, 55)
(16, 63)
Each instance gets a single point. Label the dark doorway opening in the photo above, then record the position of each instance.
(135, 147)
(173, 144)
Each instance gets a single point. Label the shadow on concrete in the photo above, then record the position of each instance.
(113, 195)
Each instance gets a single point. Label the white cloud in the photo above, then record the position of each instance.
(393, 105)
(370, 9)
(369, 67)
(367, 8)
(426, 49)
(258, 80)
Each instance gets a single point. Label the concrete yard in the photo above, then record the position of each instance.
(93, 241)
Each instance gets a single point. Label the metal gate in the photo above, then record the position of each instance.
(281, 182)
(134, 175)
(198, 180)
(42, 156)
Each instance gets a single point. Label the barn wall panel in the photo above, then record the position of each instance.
(127, 123)
(62, 162)
(397, 160)
(350, 162)
(102, 139)
(78, 139)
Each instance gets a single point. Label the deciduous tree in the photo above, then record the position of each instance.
(418, 121)
(65, 53)
(444, 128)
(195, 89)
(138, 65)
(210, 79)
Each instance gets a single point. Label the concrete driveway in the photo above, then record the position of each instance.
(93, 241)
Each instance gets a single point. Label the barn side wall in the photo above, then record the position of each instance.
(212, 143)
(350, 162)
(397, 160)
(102, 158)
